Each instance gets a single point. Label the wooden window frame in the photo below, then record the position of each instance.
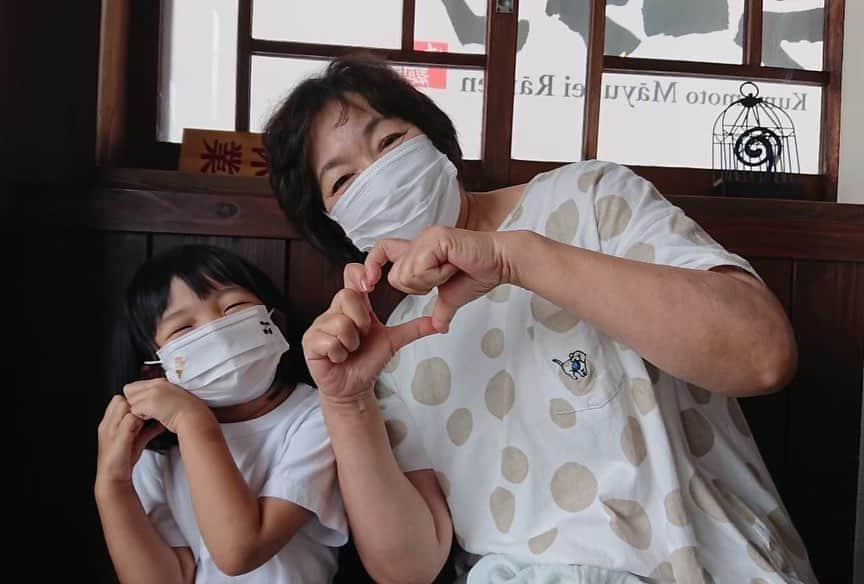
(129, 82)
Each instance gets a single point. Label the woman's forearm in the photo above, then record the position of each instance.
(138, 552)
(400, 536)
(715, 330)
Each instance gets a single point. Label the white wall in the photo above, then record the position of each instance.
(851, 187)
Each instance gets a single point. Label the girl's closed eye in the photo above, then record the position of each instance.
(341, 182)
(238, 304)
(390, 140)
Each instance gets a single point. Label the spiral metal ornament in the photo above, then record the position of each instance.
(757, 147)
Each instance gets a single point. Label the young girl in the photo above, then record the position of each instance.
(238, 476)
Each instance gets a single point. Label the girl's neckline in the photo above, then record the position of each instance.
(269, 419)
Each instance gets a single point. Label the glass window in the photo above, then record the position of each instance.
(459, 92)
(792, 33)
(669, 121)
(549, 87)
(681, 30)
(198, 67)
(370, 23)
(450, 26)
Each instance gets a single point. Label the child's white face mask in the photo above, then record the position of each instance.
(228, 361)
(412, 187)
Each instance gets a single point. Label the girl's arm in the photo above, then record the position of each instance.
(138, 552)
(241, 530)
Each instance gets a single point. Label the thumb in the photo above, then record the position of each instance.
(148, 433)
(452, 295)
(408, 332)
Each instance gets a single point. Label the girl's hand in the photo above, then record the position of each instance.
(463, 264)
(347, 346)
(122, 438)
(159, 399)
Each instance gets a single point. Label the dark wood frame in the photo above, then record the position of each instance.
(126, 134)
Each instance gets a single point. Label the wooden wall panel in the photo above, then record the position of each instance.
(267, 254)
(825, 408)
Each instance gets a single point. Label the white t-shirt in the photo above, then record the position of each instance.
(285, 454)
(555, 443)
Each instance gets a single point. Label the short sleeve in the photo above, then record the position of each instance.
(402, 430)
(305, 473)
(635, 221)
(147, 481)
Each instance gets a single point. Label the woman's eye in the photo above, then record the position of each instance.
(389, 140)
(340, 182)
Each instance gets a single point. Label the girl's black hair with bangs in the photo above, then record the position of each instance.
(202, 268)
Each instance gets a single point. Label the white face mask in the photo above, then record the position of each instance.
(410, 188)
(228, 361)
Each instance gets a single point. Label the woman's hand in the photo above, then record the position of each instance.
(159, 399)
(347, 346)
(122, 438)
(463, 264)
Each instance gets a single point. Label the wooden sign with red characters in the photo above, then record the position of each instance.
(222, 152)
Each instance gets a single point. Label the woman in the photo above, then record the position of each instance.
(579, 412)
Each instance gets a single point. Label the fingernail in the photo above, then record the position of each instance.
(364, 285)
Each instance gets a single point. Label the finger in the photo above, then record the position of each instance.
(385, 250)
(355, 305)
(354, 277)
(320, 345)
(128, 428)
(420, 279)
(410, 331)
(343, 328)
(147, 433)
(454, 294)
(117, 408)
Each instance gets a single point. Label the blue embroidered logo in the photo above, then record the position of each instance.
(576, 366)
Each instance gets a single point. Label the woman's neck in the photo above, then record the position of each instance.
(255, 408)
(485, 211)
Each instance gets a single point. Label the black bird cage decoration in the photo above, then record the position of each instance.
(755, 150)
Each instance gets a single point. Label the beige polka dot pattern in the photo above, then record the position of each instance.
(641, 252)
(589, 180)
(643, 395)
(629, 522)
(733, 505)
(573, 486)
(787, 533)
(459, 426)
(675, 512)
(551, 316)
(392, 364)
(663, 572)
(431, 383)
(706, 498)
(540, 543)
(580, 386)
(396, 432)
(563, 222)
(562, 413)
(613, 215)
(633, 442)
(492, 344)
(500, 394)
(382, 390)
(443, 482)
(514, 464)
(684, 226)
(502, 504)
(697, 429)
(700, 395)
(499, 293)
(685, 565)
(737, 416)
